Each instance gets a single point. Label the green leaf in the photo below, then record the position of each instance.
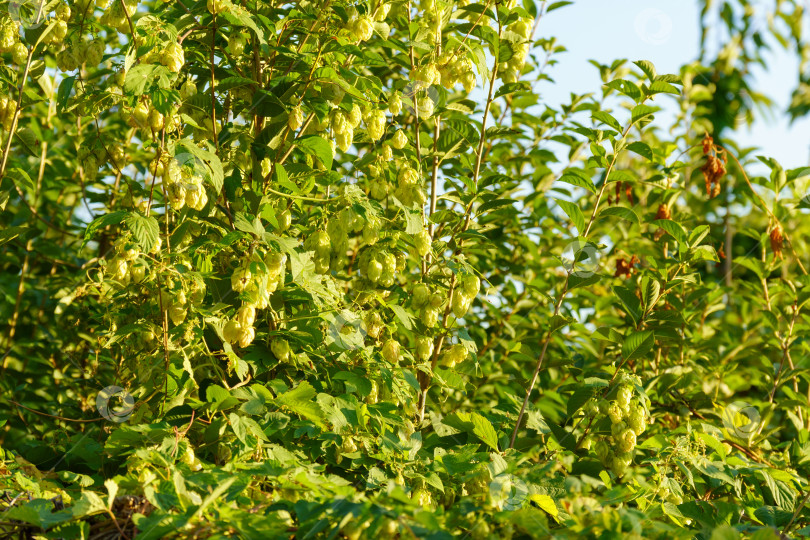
(494, 204)
(628, 88)
(139, 77)
(580, 178)
(641, 112)
(145, 230)
(755, 265)
(579, 398)
(318, 147)
(606, 118)
(21, 177)
(698, 234)
(673, 228)
(402, 316)
(483, 430)
(582, 279)
(620, 211)
(641, 148)
(38, 512)
(558, 321)
(301, 401)
(647, 67)
(650, 291)
(631, 303)
(241, 17)
(659, 86)
(574, 213)
(10, 233)
(557, 5)
(112, 218)
(211, 162)
(703, 253)
(637, 344)
(545, 503)
(63, 94)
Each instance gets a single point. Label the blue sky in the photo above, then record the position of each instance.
(665, 32)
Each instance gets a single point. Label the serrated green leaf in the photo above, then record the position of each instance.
(573, 212)
(301, 401)
(607, 119)
(145, 230)
(318, 147)
(647, 67)
(637, 344)
(622, 212)
(578, 177)
(673, 228)
(643, 112)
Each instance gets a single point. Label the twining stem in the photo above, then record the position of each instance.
(414, 98)
(768, 210)
(26, 261)
(213, 82)
(425, 378)
(564, 291)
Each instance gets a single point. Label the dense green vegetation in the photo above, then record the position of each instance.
(325, 269)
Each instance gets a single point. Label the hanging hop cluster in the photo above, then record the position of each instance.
(379, 266)
(90, 53)
(464, 294)
(628, 420)
(409, 190)
(114, 16)
(183, 186)
(330, 247)
(517, 36)
(343, 125)
(147, 118)
(455, 69)
(428, 303)
(8, 106)
(176, 299)
(359, 27)
(258, 278)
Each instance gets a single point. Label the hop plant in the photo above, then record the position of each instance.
(173, 57)
(376, 125)
(395, 104)
(296, 118)
(399, 140)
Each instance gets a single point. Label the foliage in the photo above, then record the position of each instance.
(324, 268)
